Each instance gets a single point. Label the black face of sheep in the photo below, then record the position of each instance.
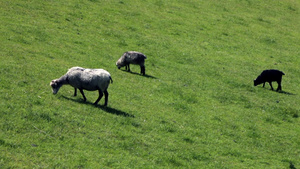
(269, 76)
(132, 57)
(55, 86)
(85, 79)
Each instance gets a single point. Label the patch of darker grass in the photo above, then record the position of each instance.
(175, 162)
(7, 144)
(46, 117)
(291, 112)
(188, 140)
(253, 133)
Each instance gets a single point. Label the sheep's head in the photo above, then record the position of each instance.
(258, 80)
(55, 86)
(255, 83)
(120, 63)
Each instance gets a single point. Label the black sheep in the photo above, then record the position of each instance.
(132, 57)
(269, 76)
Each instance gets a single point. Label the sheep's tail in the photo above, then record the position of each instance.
(282, 73)
(111, 81)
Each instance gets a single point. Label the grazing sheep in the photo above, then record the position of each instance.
(132, 57)
(85, 79)
(269, 76)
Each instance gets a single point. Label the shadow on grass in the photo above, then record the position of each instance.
(281, 91)
(148, 76)
(287, 93)
(115, 111)
(104, 108)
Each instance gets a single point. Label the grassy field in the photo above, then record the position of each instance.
(195, 108)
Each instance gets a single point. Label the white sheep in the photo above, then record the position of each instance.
(132, 57)
(85, 79)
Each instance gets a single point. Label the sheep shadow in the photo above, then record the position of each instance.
(135, 73)
(280, 91)
(104, 108)
(287, 93)
(114, 111)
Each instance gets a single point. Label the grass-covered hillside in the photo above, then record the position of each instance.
(195, 108)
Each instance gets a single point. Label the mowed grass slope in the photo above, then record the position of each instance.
(196, 107)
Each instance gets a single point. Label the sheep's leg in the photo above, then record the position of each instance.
(143, 70)
(99, 98)
(264, 84)
(279, 86)
(271, 85)
(81, 91)
(106, 97)
(75, 91)
(128, 68)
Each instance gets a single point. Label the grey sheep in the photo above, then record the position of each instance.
(85, 79)
(132, 57)
(269, 76)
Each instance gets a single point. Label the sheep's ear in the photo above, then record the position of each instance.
(53, 82)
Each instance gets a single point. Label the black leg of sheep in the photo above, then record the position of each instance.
(128, 68)
(106, 97)
(143, 70)
(99, 98)
(81, 91)
(75, 91)
(271, 85)
(279, 86)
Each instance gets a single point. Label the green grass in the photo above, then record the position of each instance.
(196, 108)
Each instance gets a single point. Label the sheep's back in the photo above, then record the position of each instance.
(89, 79)
(270, 75)
(135, 57)
(75, 69)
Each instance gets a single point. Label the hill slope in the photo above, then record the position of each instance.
(197, 106)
